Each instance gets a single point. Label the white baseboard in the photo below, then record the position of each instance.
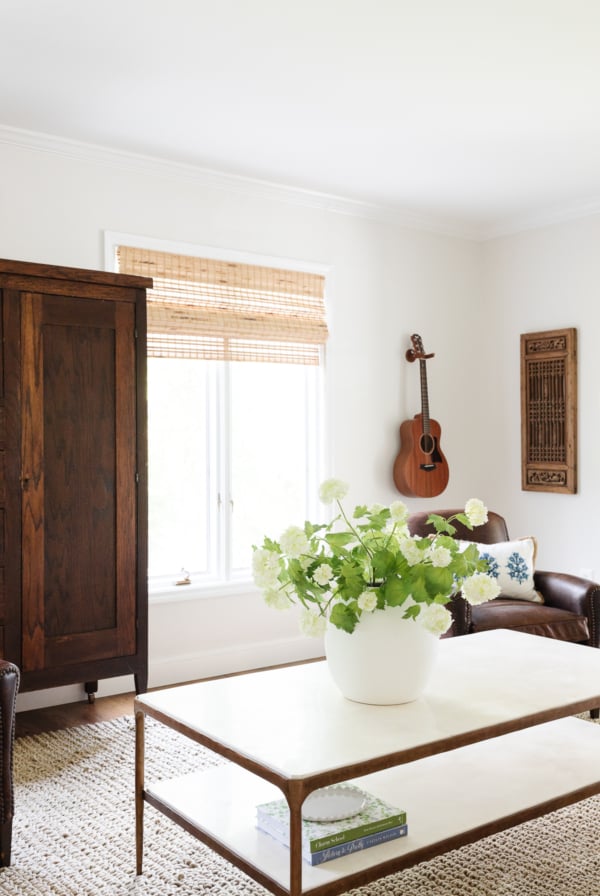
(238, 658)
(186, 667)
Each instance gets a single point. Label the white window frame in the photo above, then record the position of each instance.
(163, 589)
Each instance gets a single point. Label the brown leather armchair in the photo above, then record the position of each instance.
(9, 685)
(571, 608)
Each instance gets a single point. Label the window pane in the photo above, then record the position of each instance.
(273, 456)
(178, 465)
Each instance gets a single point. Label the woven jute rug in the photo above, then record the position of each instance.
(74, 832)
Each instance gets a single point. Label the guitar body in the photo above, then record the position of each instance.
(420, 469)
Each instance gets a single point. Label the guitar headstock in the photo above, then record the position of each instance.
(417, 352)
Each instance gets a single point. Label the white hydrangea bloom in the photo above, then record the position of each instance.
(294, 542)
(323, 574)
(277, 599)
(332, 490)
(367, 601)
(312, 623)
(479, 588)
(435, 618)
(398, 511)
(439, 556)
(265, 568)
(476, 512)
(411, 552)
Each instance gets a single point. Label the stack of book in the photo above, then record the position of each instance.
(322, 841)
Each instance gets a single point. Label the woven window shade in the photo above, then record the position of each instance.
(220, 310)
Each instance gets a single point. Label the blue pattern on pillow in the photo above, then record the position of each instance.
(512, 565)
(493, 566)
(517, 567)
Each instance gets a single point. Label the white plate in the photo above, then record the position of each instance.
(333, 803)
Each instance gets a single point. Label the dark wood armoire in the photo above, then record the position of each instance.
(73, 480)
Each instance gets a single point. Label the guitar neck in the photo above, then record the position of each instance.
(424, 396)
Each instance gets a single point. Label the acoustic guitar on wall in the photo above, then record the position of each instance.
(420, 469)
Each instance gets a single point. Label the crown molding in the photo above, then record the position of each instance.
(550, 217)
(263, 189)
(155, 166)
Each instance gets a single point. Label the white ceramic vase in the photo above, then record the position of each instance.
(386, 659)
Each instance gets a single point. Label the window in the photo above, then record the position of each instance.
(235, 369)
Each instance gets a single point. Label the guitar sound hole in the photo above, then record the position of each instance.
(427, 443)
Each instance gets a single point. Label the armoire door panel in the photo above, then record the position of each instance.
(80, 479)
(82, 491)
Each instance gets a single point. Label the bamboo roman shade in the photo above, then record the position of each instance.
(221, 310)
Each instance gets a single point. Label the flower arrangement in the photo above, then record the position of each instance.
(339, 570)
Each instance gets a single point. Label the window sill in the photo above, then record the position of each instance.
(164, 594)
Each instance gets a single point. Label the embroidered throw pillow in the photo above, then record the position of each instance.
(512, 564)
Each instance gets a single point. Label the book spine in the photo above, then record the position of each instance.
(333, 839)
(345, 849)
(364, 830)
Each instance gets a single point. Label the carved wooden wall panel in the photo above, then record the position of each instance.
(549, 411)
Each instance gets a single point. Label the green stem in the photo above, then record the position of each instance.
(352, 529)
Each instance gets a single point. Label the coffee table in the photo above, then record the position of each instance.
(492, 743)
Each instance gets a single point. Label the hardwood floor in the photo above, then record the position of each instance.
(53, 718)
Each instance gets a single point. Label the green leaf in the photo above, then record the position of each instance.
(339, 539)
(384, 562)
(379, 519)
(418, 587)
(412, 612)
(351, 580)
(438, 580)
(359, 511)
(447, 541)
(344, 617)
(311, 529)
(471, 553)
(441, 524)
(395, 591)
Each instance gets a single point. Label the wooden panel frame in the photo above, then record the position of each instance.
(549, 411)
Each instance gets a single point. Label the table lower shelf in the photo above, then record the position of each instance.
(451, 799)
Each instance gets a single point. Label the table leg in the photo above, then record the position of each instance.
(139, 790)
(295, 800)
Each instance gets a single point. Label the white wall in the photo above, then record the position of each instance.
(387, 282)
(543, 280)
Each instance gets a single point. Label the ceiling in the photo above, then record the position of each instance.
(473, 116)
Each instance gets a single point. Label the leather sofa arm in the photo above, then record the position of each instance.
(9, 685)
(461, 615)
(572, 593)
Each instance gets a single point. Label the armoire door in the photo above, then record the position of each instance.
(78, 453)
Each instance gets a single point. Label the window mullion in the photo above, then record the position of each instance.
(226, 503)
(213, 472)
